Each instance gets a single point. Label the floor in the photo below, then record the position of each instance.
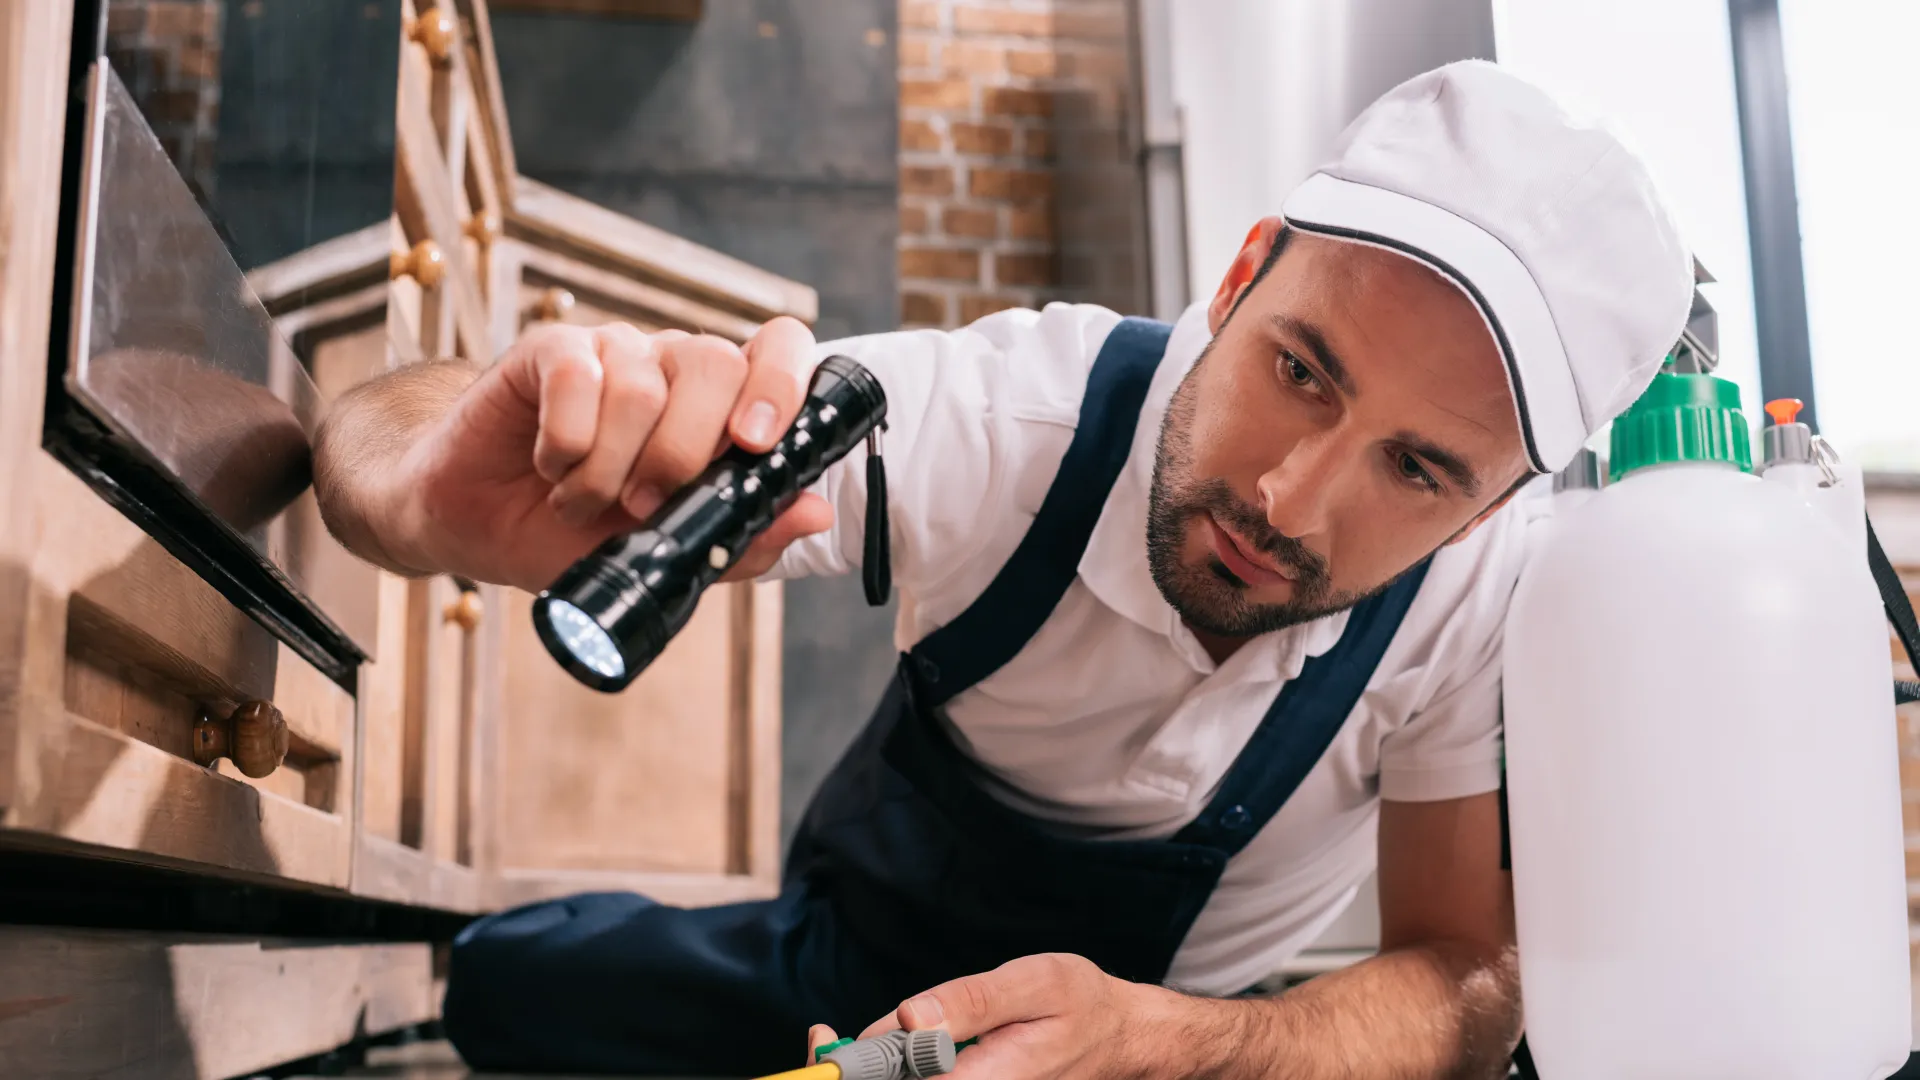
(427, 1061)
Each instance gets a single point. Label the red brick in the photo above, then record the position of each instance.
(916, 52)
(197, 62)
(940, 264)
(1037, 143)
(992, 140)
(973, 308)
(973, 19)
(1013, 184)
(1008, 101)
(1097, 62)
(1024, 270)
(935, 93)
(919, 135)
(920, 15)
(970, 221)
(1033, 63)
(181, 19)
(1101, 21)
(923, 308)
(974, 58)
(914, 220)
(124, 21)
(926, 180)
(1034, 222)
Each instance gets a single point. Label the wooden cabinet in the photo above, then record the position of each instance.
(146, 718)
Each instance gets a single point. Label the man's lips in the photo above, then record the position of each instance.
(1249, 566)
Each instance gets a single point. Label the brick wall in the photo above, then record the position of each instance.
(168, 54)
(1018, 182)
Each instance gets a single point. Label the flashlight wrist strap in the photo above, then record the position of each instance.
(876, 560)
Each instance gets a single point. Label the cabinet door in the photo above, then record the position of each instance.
(671, 787)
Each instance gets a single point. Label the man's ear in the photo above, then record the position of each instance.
(1467, 529)
(1253, 252)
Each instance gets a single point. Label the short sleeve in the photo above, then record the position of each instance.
(1449, 746)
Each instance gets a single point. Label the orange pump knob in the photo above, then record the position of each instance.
(1783, 410)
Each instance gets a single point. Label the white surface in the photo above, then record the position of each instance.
(1704, 790)
(1853, 101)
(1114, 720)
(1264, 86)
(1661, 73)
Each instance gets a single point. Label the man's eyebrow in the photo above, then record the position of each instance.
(1323, 354)
(1445, 460)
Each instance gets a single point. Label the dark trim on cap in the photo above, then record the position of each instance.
(1486, 309)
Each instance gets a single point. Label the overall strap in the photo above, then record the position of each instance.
(1302, 722)
(1006, 616)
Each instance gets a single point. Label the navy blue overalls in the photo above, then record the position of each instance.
(904, 873)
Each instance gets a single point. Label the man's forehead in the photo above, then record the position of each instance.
(1393, 321)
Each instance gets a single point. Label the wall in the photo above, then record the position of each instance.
(766, 130)
(1019, 181)
(1265, 86)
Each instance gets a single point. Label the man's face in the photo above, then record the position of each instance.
(1350, 416)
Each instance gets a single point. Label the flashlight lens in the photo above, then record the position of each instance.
(584, 638)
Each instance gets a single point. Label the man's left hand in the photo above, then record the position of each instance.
(1050, 1017)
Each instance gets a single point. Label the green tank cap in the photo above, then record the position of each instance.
(1682, 418)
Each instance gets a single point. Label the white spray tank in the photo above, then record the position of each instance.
(1704, 794)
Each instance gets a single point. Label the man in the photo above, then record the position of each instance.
(1200, 623)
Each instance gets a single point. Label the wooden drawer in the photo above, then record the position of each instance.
(133, 663)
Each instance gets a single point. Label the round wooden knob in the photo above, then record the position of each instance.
(554, 304)
(465, 612)
(437, 32)
(254, 736)
(426, 264)
(484, 227)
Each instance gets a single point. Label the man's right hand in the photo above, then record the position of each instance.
(577, 434)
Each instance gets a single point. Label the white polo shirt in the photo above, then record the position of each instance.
(1113, 721)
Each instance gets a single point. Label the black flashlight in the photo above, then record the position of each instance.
(610, 614)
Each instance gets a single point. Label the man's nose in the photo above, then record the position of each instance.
(1298, 494)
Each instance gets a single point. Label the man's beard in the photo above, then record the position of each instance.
(1208, 597)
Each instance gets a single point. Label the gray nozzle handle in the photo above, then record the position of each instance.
(897, 1055)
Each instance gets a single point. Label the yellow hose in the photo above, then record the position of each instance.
(826, 1070)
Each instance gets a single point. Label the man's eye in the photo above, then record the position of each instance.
(1413, 472)
(1296, 372)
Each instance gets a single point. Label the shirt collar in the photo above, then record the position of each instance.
(1114, 566)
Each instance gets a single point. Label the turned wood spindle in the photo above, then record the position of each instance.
(465, 611)
(424, 263)
(437, 32)
(553, 305)
(254, 735)
(484, 227)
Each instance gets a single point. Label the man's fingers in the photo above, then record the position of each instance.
(818, 1036)
(633, 392)
(779, 367)
(1025, 989)
(808, 515)
(704, 375)
(568, 373)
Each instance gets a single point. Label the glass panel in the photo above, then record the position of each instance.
(278, 113)
(1852, 102)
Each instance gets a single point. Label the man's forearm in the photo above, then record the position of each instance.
(358, 454)
(1431, 1012)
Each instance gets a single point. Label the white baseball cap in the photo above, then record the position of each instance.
(1547, 222)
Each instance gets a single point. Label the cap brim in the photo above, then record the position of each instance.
(1488, 272)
